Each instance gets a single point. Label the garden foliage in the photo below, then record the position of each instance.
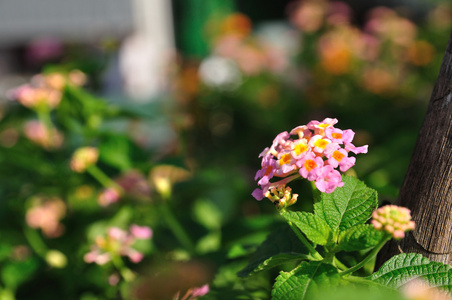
(105, 198)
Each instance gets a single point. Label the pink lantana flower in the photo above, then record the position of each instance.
(338, 157)
(328, 179)
(141, 232)
(286, 163)
(302, 132)
(258, 194)
(318, 143)
(117, 242)
(356, 150)
(300, 148)
(339, 136)
(193, 293)
(319, 127)
(309, 166)
(108, 196)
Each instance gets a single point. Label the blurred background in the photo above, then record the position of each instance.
(179, 98)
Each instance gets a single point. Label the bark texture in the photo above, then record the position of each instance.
(427, 187)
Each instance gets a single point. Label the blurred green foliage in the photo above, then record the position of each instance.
(222, 114)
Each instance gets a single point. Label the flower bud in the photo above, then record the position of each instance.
(281, 196)
(393, 219)
(56, 259)
(83, 158)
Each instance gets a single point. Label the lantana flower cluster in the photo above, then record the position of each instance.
(45, 214)
(40, 134)
(319, 153)
(393, 219)
(118, 242)
(45, 90)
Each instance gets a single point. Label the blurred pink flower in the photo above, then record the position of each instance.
(46, 90)
(418, 289)
(228, 45)
(250, 60)
(338, 13)
(34, 97)
(43, 50)
(108, 196)
(113, 279)
(141, 232)
(117, 242)
(386, 24)
(308, 16)
(194, 293)
(45, 214)
(37, 132)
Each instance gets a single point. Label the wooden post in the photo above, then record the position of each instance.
(427, 188)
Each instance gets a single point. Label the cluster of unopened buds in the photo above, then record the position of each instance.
(393, 219)
(317, 151)
(118, 242)
(281, 196)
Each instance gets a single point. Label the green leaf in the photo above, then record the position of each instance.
(207, 214)
(347, 206)
(115, 151)
(14, 274)
(281, 246)
(209, 243)
(360, 292)
(305, 282)
(360, 237)
(315, 228)
(407, 266)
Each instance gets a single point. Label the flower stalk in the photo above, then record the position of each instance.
(370, 256)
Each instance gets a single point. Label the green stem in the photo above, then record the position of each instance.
(339, 264)
(311, 249)
(102, 178)
(361, 280)
(313, 187)
(357, 279)
(44, 117)
(125, 272)
(35, 241)
(176, 228)
(371, 255)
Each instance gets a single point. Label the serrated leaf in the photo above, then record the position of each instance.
(305, 281)
(407, 266)
(280, 246)
(360, 237)
(347, 206)
(315, 228)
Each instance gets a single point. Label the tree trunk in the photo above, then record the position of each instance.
(427, 188)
